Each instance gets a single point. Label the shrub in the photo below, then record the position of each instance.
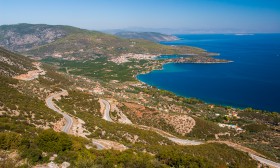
(9, 140)
(175, 158)
(255, 127)
(51, 141)
(34, 155)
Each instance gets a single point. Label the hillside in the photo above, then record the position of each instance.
(73, 43)
(17, 104)
(27, 123)
(137, 126)
(151, 36)
(12, 64)
(22, 37)
(96, 44)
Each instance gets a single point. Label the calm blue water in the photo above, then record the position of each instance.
(252, 80)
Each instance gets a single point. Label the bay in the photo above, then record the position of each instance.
(252, 80)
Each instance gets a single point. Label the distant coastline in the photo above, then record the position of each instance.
(244, 34)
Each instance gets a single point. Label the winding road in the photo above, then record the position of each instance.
(53, 106)
(100, 144)
(265, 161)
(106, 116)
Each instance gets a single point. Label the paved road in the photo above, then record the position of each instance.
(253, 154)
(106, 115)
(170, 136)
(52, 105)
(98, 145)
(265, 161)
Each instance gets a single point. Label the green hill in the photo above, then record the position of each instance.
(95, 44)
(73, 43)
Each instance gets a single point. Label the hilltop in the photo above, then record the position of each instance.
(95, 44)
(151, 36)
(74, 43)
(23, 37)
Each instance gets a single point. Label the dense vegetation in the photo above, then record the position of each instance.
(38, 148)
(22, 106)
(100, 68)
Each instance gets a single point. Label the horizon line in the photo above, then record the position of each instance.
(184, 30)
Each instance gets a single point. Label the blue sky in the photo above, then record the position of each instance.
(181, 15)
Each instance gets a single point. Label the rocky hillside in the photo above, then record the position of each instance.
(74, 43)
(87, 45)
(27, 124)
(13, 64)
(22, 37)
(151, 36)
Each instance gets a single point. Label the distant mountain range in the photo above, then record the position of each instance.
(23, 37)
(74, 43)
(151, 36)
(184, 30)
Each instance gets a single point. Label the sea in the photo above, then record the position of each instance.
(251, 80)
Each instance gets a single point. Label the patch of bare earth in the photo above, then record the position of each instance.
(59, 125)
(30, 75)
(53, 165)
(8, 111)
(11, 157)
(102, 107)
(107, 144)
(182, 124)
(77, 128)
(121, 117)
(138, 110)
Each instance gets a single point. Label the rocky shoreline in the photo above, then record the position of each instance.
(199, 59)
(195, 59)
